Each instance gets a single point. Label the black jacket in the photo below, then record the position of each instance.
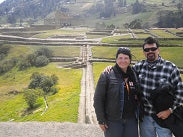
(162, 99)
(107, 95)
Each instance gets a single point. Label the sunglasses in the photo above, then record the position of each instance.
(152, 49)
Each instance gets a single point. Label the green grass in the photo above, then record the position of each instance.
(51, 33)
(171, 42)
(98, 68)
(95, 36)
(63, 106)
(65, 51)
(115, 40)
(162, 34)
(23, 50)
(173, 54)
(142, 35)
(174, 30)
(110, 52)
(137, 30)
(19, 50)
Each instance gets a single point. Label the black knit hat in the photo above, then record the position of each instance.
(124, 50)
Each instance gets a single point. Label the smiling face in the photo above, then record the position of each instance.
(151, 52)
(123, 61)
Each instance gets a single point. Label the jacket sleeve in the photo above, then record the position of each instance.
(100, 98)
(178, 85)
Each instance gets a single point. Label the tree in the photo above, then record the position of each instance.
(108, 8)
(24, 64)
(41, 81)
(137, 7)
(180, 6)
(41, 61)
(44, 52)
(11, 19)
(30, 96)
(135, 24)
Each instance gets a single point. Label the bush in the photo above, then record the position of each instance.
(46, 84)
(24, 64)
(41, 61)
(31, 58)
(54, 78)
(30, 96)
(135, 24)
(54, 90)
(43, 82)
(44, 52)
(2, 55)
(4, 51)
(7, 65)
(36, 80)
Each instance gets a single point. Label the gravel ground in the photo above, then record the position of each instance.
(48, 129)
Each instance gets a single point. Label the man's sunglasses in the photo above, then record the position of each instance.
(152, 49)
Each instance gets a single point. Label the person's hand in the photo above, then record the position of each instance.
(108, 69)
(103, 127)
(164, 114)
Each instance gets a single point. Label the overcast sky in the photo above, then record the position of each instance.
(1, 1)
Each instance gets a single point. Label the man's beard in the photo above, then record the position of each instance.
(151, 57)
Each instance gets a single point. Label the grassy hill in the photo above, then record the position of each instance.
(63, 106)
(85, 12)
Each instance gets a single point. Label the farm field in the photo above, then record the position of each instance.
(69, 32)
(173, 54)
(23, 50)
(63, 106)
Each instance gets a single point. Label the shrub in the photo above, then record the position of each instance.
(31, 58)
(41, 61)
(44, 52)
(46, 84)
(135, 24)
(54, 78)
(43, 82)
(54, 90)
(7, 65)
(2, 55)
(30, 96)
(24, 64)
(36, 80)
(4, 51)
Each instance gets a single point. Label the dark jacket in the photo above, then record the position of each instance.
(107, 96)
(162, 99)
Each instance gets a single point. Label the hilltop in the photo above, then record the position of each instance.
(87, 12)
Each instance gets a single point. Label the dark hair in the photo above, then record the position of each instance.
(151, 40)
(124, 50)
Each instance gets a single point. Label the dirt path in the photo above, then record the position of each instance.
(86, 110)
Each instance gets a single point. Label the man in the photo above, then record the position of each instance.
(153, 72)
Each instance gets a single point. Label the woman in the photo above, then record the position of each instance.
(115, 99)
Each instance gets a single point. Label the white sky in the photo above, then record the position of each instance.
(1, 1)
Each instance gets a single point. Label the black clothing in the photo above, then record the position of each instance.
(108, 94)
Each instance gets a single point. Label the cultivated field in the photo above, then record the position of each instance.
(63, 106)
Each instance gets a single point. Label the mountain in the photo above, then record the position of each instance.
(29, 8)
(90, 12)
